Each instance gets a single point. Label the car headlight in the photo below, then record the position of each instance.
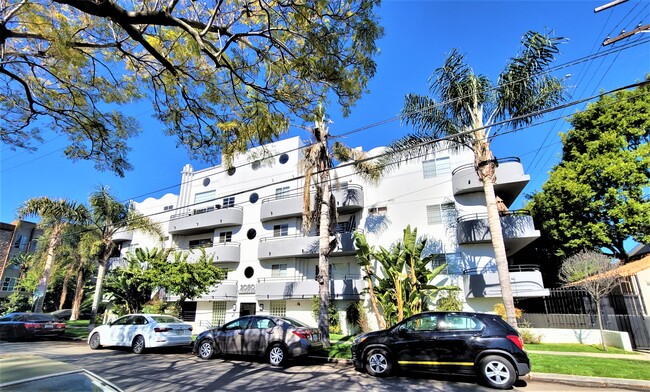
(360, 339)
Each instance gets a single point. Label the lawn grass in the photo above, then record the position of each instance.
(590, 366)
(76, 329)
(576, 348)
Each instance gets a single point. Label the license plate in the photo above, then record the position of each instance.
(48, 326)
(180, 332)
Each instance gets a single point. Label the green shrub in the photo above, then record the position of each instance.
(356, 318)
(449, 302)
(333, 314)
(529, 337)
(155, 306)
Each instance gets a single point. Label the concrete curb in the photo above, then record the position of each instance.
(598, 382)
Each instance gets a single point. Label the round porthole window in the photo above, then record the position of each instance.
(251, 234)
(232, 171)
(206, 181)
(284, 158)
(253, 198)
(256, 165)
(249, 272)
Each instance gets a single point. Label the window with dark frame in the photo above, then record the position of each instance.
(281, 230)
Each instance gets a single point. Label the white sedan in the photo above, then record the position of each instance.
(140, 331)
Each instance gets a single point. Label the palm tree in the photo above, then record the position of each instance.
(470, 113)
(365, 255)
(55, 215)
(107, 216)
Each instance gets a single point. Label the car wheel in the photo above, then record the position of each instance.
(277, 355)
(94, 342)
(206, 349)
(138, 344)
(378, 363)
(497, 372)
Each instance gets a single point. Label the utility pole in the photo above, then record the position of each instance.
(623, 34)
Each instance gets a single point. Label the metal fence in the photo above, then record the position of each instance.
(574, 309)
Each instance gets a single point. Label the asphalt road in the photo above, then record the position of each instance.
(178, 370)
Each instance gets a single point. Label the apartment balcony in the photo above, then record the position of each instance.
(518, 230)
(200, 220)
(349, 197)
(511, 180)
(525, 281)
(226, 290)
(341, 287)
(301, 246)
(228, 252)
(122, 235)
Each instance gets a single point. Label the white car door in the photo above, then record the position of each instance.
(118, 331)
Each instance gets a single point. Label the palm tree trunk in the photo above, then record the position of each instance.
(78, 294)
(101, 273)
(498, 245)
(64, 289)
(41, 289)
(400, 299)
(323, 257)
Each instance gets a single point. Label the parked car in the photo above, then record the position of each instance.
(275, 338)
(446, 342)
(65, 314)
(30, 325)
(141, 331)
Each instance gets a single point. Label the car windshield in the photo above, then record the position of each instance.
(166, 319)
(38, 317)
(294, 322)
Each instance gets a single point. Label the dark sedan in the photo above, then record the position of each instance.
(446, 342)
(275, 338)
(30, 325)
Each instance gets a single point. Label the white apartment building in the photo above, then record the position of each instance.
(249, 219)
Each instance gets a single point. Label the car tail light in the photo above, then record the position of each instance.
(517, 340)
(32, 325)
(302, 334)
(157, 329)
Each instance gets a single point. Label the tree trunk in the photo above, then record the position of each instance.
(600, 324)
(101, 272)
(64, 289)
(78, 294)
(41, 289)
(323, 255)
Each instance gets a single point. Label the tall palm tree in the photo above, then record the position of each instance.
(469, 112)
(55, 215)
(107, 216)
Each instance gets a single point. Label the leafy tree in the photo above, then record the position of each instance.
(55, 215)
(107, 217)
(469, 112)
(593, 272)
(128, 286)
(185, 279)
(218, 74)
(594, 198)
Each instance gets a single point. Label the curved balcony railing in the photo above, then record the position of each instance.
(205, 219)
(348, 198)
(510, 179)
(517, 228)
(471, 165)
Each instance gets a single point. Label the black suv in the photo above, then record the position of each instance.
(446, 342)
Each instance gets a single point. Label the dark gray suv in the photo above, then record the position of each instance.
(446, 342)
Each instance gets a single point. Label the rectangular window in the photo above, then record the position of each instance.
(281, 230)
(202, 243)
(8, 284)
(205, 196)
(278, 308)
(168, 208)
(440, 213)
(225, 236)
(228, 202)
(281, 192)
(453, 260)
(218, 313)
(377, 210)
(436, 167)
(278, 270)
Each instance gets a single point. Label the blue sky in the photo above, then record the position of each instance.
(418, 35)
